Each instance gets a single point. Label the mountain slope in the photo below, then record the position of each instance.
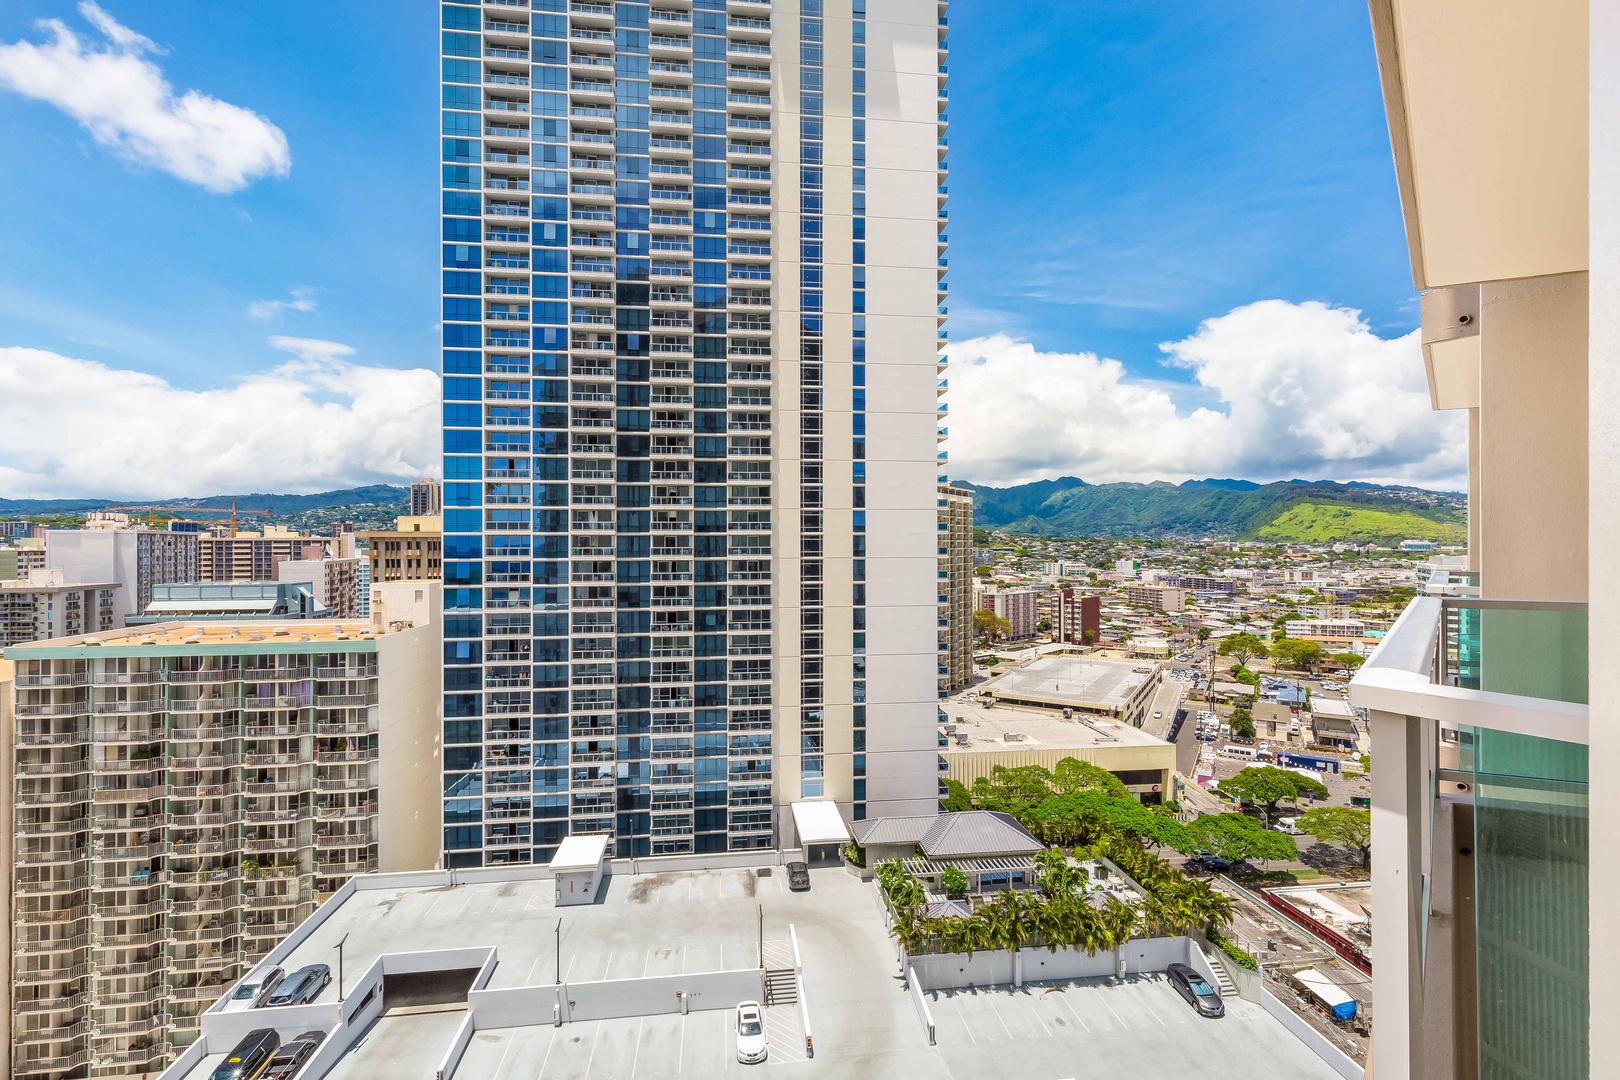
(1223, 508)
(386, 494)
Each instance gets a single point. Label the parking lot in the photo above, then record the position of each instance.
(1085, 1028)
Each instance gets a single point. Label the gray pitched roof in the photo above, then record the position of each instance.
(892, 830)
(973, 833)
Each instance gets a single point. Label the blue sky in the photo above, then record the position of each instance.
(1119, 175)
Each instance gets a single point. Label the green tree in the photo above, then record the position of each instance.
(1347, 826)
(1242, 721)
(1349, 661)
(1242, 648)
(1085, 817)
(956, 797)
(1285, 618)
(1014, 790)
(989, 626)
(1266, 785)
(954, 881)
(1203, 633)
(1240, 838)
(1044, 626)
(984, 571)
(1071, 775)
(1299, 655)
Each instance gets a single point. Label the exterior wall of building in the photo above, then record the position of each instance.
(8, 847)
(955, 588)
(427, 498)
(334, 583)
(252, 558)
(966, 766)
(409, 750)
(709, 584)
(179, 809)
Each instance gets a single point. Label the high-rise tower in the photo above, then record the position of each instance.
(693, 275)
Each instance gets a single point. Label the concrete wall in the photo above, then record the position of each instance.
(967, 766)
(409, 769)
(1533, 458)
(525, 1005)
(1337, 1059)
(1603, 457)
(949, 971)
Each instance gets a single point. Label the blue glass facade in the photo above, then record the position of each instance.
(608, 561)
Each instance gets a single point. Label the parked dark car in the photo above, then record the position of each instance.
(249, 994)
(291, 1057)
(248, 1058)
(1208, 860)
(1199, 994)
(798, 877)
(301, 987)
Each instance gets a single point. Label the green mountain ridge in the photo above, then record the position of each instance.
(276, 504)
(1289, 511)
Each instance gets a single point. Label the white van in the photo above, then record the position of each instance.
(1245, 753)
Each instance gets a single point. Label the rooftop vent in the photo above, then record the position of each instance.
(1012, 736)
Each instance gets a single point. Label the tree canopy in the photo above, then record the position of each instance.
(1347, 826)
(988, 625)
(1242, 648)
(1348, 660)
(1085, 817)
(1242, 721)
(1239, 838)
(1266, 786)
(1296, 654)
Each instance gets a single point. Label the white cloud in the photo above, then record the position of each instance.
(76, 428)
(1299, 390)
(121, 97)
(303, 299)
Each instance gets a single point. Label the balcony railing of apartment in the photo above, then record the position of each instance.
(1480, 841)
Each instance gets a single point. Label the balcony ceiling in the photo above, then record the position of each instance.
(1488, 116)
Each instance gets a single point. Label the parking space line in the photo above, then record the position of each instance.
(636, 1057)
(594, 1037)
(1072, 1012)
(1151, 1010)
(551, 1044)
(1036, 1012)
(997, 1014)
(1110, 1008)
(680, 1056)
(501, 1064)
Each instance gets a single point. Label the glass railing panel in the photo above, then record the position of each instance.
(1531, 859)
(1528, 649)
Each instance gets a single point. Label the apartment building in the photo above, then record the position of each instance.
(1017, 606)
(185, 794)
(250, 557)
(411, 551)
(16, 562)
(427, 498)
(692, 285)
(955, 589)
(1331, 631)
(1493, 883)
(12, 530)
(1078, 617)
(1158, 597)
(136, 559)
(43, 605)
(1201, 583)
(7, 843)
(335, 583)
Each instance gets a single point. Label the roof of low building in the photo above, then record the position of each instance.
(977, 832)
(893, 830)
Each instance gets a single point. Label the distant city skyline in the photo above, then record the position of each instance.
(1205, 175)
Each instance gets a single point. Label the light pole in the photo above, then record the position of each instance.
(339, 947)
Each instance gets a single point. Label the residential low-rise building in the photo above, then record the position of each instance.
(185, 795)
(982, 741)
(1159, 597)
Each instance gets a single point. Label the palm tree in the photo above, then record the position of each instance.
(1057, 875)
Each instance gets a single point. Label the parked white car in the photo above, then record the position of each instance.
(751, 1047)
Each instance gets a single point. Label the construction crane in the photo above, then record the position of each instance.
(151, 512)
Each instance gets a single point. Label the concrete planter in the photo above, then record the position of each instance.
(864, 873)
